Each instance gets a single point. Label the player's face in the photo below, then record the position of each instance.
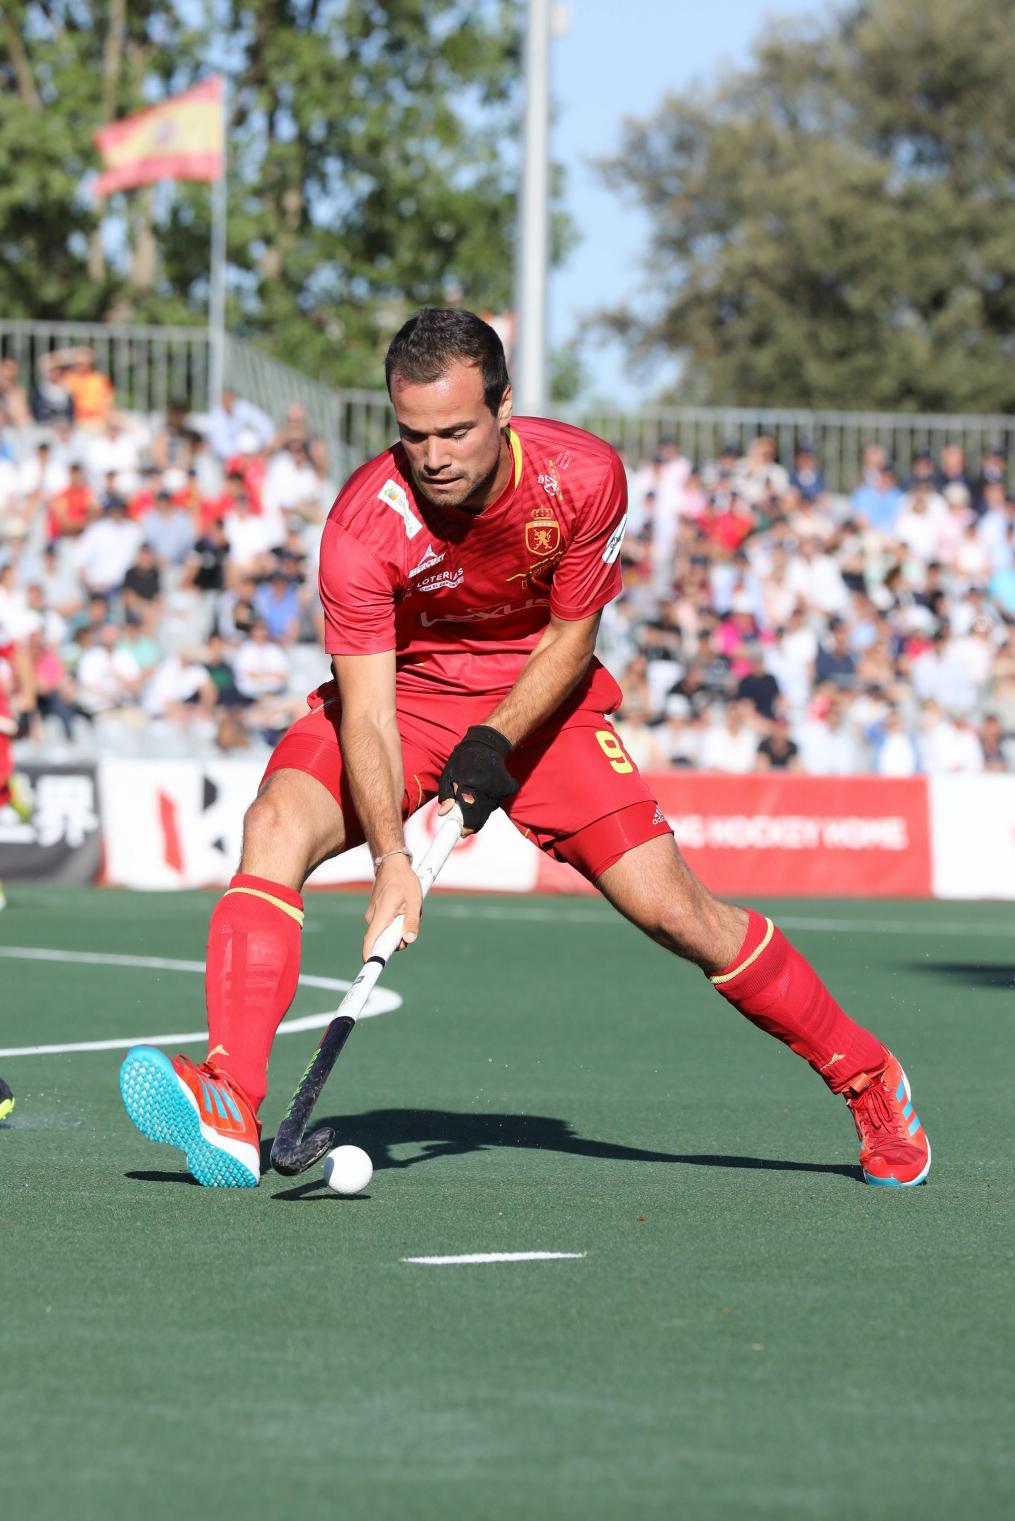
(455, 445)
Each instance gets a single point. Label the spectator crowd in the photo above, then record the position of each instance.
(158, 592)
(770, 623)
(158, 577)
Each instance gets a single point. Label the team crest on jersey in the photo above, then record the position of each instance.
(542, 533)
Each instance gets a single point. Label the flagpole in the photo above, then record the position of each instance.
(533, 242)
(217, 280)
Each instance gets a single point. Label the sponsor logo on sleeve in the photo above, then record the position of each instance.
(614, 542)
(550, 479)
(393, 495)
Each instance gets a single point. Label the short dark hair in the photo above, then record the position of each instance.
(426, 346)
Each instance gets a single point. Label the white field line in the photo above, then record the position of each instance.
(382, 1000)
(551, 915)
(553, 910)
(473, 1257)
(900, 927)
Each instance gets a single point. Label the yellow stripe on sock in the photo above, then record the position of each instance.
(252, 892)
(728, 976)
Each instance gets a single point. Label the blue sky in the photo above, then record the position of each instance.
(619, 58)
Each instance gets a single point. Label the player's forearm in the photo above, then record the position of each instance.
(548, 677)
(372, 755)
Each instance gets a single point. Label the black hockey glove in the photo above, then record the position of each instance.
(476, 771)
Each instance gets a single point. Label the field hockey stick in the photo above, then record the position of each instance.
(293, 1151)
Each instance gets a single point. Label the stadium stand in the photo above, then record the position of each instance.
(769, 622)
(158, 591)
(157, 571)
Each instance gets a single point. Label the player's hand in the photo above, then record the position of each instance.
(476, 777)
(396, 891)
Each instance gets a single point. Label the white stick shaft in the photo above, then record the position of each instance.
(388, 940)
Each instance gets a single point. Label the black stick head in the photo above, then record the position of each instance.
(294, 1154)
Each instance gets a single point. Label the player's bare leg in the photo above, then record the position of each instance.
(251, 974)
(653, 886)
(750, 962)
(291, 826)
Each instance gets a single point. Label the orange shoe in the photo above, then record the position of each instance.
(894, 1148)
(198, 1109)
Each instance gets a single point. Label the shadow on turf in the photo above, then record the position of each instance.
(970, 974)
(162, 1177)
(445, 1133)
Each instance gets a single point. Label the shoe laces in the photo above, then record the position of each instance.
(874, 1109)
(879, 1123)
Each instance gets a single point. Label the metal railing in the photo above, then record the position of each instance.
(151, 366)
(838, 438)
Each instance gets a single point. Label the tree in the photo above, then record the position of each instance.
(835, 225)
(64, 69)
(370, 172)
(368, 166)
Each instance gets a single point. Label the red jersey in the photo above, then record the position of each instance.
(6, 749)
(141, 502)
(463, 597)
(253, 468)
(76, 503)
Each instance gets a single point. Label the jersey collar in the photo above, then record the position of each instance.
(516, 452)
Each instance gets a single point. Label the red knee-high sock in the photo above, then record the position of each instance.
(250, 977)
(776, 989)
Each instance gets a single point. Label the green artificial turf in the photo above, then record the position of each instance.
(751, 1332)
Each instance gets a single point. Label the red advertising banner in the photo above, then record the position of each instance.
(792, 835)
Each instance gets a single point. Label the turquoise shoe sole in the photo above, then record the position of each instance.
(158, 1104)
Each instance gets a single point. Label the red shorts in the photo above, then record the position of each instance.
(6, 766)
(581, 798)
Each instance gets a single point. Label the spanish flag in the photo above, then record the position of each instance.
(180, 139)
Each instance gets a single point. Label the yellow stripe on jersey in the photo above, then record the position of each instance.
(252, 892)
(728, 976)
(516, 451)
